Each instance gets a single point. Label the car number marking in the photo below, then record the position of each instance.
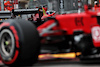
(79, 21)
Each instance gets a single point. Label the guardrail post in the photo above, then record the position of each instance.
(2, 5)
(61, 6)
(79, 6)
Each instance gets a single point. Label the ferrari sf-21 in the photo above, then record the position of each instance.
(21, 41)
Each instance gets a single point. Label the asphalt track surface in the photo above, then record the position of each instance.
(64, 63)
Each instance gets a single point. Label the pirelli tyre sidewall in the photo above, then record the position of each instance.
(6, 54)
(25, 43)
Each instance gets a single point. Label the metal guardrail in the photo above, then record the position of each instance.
(73, 11)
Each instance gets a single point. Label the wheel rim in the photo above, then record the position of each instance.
(7, 44)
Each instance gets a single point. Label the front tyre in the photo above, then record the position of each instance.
(19, 43)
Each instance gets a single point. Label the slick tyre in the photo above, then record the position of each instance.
(19, 43)
(85, 46)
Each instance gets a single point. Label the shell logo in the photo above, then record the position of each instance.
(96, 33)
(98, 14)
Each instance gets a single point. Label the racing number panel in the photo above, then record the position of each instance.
(79, 21)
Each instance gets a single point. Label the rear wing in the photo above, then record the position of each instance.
(13, 13)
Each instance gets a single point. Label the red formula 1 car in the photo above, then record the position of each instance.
(20, 41)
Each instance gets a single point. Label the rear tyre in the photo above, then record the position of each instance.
(19, 43)
(86, 47)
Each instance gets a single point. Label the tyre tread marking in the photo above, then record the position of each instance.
(15, 35)
(4, 24)
(13, 60)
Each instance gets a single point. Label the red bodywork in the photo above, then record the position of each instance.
(69, 23)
